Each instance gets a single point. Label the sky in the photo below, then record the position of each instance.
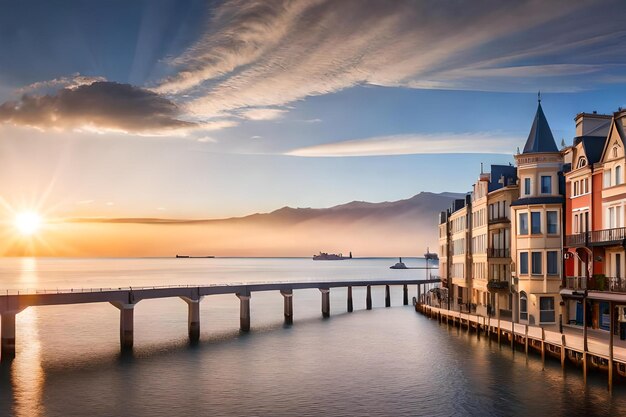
(212, 109)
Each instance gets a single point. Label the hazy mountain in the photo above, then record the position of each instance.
(392, 228)
(395, 228)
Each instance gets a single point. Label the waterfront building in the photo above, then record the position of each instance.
(460, 237)
(474, 244)
(536, 225)
(530, 238)
(583, 208)
(596, 233)
(492, 196)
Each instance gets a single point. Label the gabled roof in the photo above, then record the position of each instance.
(593, 147)
(616, 126)
(540, 138)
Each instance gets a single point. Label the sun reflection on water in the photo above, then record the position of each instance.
(27, 376)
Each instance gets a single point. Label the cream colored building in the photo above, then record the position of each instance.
(536, 226)
(460, 252)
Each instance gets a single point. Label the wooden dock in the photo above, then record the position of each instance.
(569, 346)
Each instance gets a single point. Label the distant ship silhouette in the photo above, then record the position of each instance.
(323, 256)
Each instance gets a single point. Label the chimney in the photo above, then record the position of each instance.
(592, 124)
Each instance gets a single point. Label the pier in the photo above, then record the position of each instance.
(125, 300)
(567, 344)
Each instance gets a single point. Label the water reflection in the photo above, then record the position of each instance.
(27, 376)
(25, 373)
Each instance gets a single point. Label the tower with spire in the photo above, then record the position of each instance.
(536, 226)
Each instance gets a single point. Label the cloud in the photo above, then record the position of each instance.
(71, 82)
(262, 114)
(257, 54)
(207, 139)
(441, 143)
(100, 106)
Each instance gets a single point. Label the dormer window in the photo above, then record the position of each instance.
(581, 162)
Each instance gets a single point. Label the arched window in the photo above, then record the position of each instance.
(581, 162)
(523, 306)
(615, 152)
(618, 175)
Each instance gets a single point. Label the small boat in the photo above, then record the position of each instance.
(399, 265)
(194, 257)
(324, 256)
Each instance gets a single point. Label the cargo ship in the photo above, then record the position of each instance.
(323, 256)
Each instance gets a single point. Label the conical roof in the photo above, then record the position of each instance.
(540, 138)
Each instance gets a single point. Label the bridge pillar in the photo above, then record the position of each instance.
(350, 305)
(387, 296)
(288, 302)
(405, 295)
(244, 311)
(368, 298)
(193, 318)
(325, 302)
(127, 312)
(7, 350)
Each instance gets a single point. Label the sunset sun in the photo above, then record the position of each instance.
(28, 222)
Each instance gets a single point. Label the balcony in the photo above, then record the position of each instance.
(577, 240)
(597, 283)
(498, 253)
(607, 237)
(497, 220)
(498, 285)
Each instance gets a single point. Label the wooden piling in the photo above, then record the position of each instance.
(526, 339)
(350, 304)
(611, 330)
(405, 295)
(368, 298)
(543, 348)
(387, 296)
(563, 351)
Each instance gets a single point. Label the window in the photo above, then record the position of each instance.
(553, 266)
(618, 175)
(611, 217)
(607, 178)
(586, 185)
(575, 193)
(536, 263)
(581, 163)
(551, 222)
(546, 310)
(523, 263)
(575, 224)
(523, 306)
(523, 223)
(526, 186)
(546, 184)
(535, 223)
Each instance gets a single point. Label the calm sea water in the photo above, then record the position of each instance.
(384, 362)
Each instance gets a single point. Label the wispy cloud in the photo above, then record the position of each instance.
(414, 144)
(259, 53)
(263, 114)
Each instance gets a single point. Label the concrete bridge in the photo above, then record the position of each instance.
(125, 299)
